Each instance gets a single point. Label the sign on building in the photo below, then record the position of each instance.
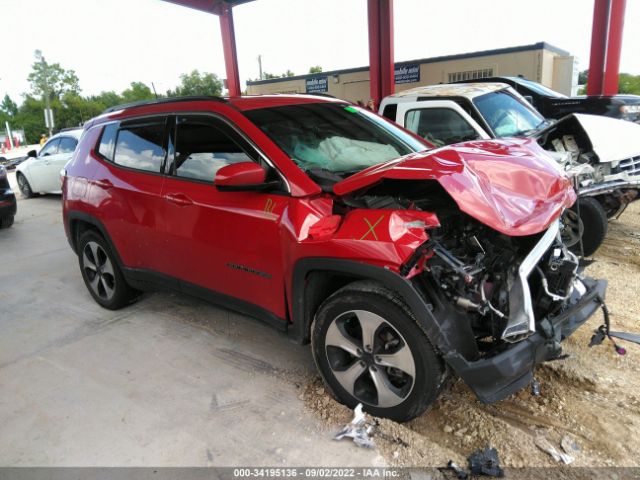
(407, 74)
(317, 84)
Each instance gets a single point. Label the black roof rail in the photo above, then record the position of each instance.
(318, 94)
(67, 129)
(157, 101)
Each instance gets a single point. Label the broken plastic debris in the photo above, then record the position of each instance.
(485, 462)
(460, 473)
(569, 445)
(543, 444)
(535, 388)
(358, 429)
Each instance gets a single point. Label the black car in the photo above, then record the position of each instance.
(552, 104)
(7, 200)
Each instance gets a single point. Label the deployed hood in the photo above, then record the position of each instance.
(611, 139)
(513, 186)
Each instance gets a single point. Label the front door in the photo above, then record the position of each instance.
(227, 242)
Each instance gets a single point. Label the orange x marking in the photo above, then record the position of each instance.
(372, 228)
(269, 206)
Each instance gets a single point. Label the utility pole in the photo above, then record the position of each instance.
(47, 100)
(260, 66)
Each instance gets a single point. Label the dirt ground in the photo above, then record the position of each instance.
(591, 399)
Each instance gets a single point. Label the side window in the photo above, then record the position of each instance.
(140, 146)
(441, 126)
(108, 141)
(50, 148)
(390, 111)
(203, 146)
(67, 145)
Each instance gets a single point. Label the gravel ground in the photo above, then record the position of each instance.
(591, 399)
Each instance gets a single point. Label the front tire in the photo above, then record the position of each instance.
(24, 186)
(370, 350)
(592, 226)
(101, 273)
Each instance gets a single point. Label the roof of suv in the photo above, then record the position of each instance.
(468, 90)
(75, 132)
(248, 102)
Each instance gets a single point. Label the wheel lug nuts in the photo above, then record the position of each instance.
(362, 364)
(359, 352)
(373, 368)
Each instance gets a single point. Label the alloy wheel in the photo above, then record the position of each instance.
(573, 228)
(370, 358)
(24, 186)
(98, 269)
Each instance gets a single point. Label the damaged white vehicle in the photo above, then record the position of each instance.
(602, 154)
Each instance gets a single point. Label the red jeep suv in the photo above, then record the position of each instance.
(400, 263)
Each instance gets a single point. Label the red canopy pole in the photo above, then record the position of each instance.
(229, 48)
(614, 45)
(387, 69)
(374, 49)
(599, 35)
(381, 66)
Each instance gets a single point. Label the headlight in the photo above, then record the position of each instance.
(630, 109)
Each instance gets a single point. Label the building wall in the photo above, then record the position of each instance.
(540, 65)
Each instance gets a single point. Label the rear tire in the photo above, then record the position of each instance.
(6, 222)
(101, 273)
(370, 350)
(23, 185)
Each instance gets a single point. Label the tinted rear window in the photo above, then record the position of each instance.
(141, 146)
(67, 145)
(108, 141)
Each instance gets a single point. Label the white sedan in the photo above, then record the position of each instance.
(41, 172)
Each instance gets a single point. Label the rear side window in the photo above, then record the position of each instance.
(141, 146)
(67, 145)
(108, 141)
(390, 111)
(203, 146)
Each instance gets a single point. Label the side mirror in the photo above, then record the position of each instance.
(32, 154)
(241, 176)
(529, 99)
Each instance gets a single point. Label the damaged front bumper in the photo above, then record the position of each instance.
(499, 376)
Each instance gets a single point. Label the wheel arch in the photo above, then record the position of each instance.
(314, 280)
(80, 222)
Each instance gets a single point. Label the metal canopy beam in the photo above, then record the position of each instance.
(381, 66)
(222, 8)
(606, 44)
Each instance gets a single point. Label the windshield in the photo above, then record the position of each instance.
(506, 115)
(333, 136)
(538, 88)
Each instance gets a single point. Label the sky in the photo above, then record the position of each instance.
(113, 43)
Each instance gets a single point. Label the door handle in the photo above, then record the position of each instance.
(179, 199)
(104, 183)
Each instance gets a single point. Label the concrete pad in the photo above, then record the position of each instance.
(168, 381)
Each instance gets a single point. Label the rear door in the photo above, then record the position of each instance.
(442, 122)
(126, 187)
(227, 242)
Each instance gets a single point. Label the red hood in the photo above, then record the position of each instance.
(512, 186)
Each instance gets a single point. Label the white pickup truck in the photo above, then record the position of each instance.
(603, 153)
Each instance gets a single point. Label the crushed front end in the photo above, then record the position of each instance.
(501, 290)
(506, 302)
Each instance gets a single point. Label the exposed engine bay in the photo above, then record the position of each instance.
(504, 286)
(582, 145)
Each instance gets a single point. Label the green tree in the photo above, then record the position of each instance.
(8, 106)
(30, 118)
(137, 92)
(629, 84)
(51, 79)
(582, 77)
(316, 69)
(196, 83)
